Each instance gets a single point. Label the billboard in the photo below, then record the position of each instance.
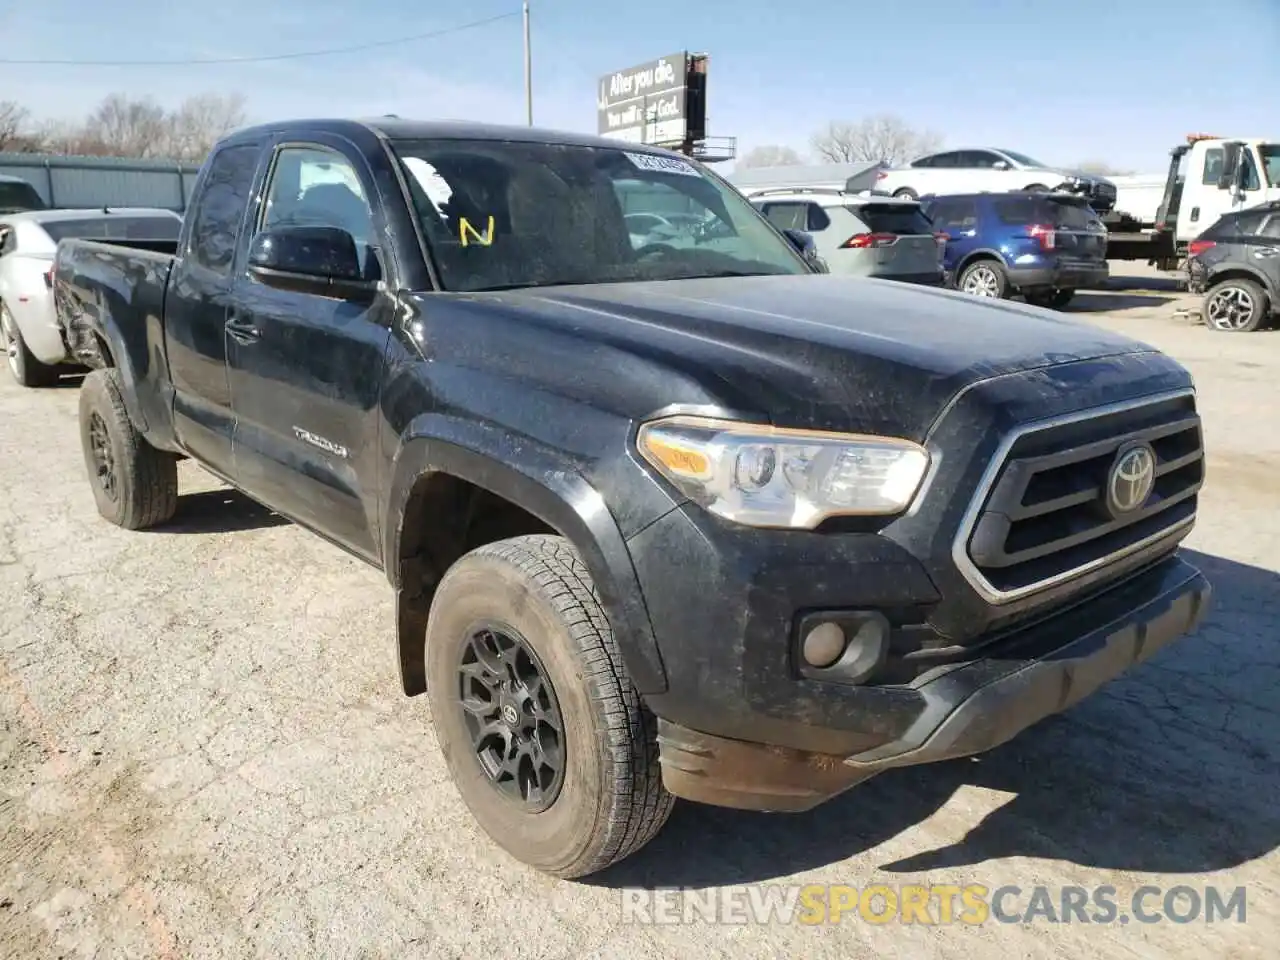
(651, 103)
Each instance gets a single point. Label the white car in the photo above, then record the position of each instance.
(29, 330)
(879, 237)
(985, 169)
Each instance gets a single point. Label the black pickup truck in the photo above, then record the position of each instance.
(664, 517)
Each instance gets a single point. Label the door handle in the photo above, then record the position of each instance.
(242, 331)
(1267, 252)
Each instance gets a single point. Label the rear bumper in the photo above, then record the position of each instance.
(959, 709)
(1066, 276)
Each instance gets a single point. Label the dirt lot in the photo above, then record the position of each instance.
(204, 753)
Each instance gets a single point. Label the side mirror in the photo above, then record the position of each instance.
(310, 259)
(1230, 165)
(1000, 165)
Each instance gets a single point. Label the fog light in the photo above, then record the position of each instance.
(823, 645)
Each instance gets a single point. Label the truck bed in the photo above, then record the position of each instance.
(124, 279)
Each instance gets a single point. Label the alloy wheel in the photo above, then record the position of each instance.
(511, 712)
(1229, 308)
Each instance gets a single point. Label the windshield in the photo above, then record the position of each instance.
(1023, 159)
(1270, 153)
(15, 197)
(115, 228)
(503, 214)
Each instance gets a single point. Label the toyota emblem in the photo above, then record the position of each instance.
(1132, 477)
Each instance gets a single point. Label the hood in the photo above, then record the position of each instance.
(816, 351)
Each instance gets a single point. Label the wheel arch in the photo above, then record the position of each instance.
(447, 474)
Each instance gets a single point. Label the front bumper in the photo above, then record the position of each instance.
(1067, 275)
(954, 710)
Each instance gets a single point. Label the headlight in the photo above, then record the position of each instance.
(767, 476)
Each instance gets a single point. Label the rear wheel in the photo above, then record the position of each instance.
(906, 193)
(1235, 306)
(135, 486)
(544, 735)
(23, 365)
(984, 278)
(1036, 188)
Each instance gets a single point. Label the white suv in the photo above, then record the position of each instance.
(882, 237)
(988, 170)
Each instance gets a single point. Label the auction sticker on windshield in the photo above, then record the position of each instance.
(656, 164)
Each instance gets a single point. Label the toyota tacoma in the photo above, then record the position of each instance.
(678, 518)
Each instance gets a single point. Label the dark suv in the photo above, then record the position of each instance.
(1236, 265)
(1044, 246)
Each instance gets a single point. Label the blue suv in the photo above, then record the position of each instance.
(1045, 246)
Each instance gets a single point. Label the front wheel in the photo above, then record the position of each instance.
(1235, 306)
(984, 278)
(545, 737)
(135, 486)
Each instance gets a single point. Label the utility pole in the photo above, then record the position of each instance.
(528, 69)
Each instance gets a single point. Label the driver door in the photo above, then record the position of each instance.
(305, 370)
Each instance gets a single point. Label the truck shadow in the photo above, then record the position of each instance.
(220, 511)
(1173, 768)
(1099, 301)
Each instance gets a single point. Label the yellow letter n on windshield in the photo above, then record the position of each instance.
(469, 234)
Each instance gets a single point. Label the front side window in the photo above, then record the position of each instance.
(1270, 154)
(1213, 161)
(318, 187)
(504, 214)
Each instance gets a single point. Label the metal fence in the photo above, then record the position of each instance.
(90, 182)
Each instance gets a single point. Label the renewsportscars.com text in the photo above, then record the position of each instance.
(934, 905)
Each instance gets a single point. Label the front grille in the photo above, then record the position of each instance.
(1047, 518)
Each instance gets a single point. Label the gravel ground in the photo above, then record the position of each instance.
(204, 751)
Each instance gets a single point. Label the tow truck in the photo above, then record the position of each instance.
(1208, 176)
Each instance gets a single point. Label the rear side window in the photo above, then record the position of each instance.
(1071, 214)
(115, 228)
(787, 216)
(953, 214)
(20, 196)
(1020, 211)
(900, 219)
(1234, 226)
(220, 208)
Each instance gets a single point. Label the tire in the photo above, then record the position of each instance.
(1236, 306)
(984, 278)
(1053, 299)
(610, 801)
(906, 193)
(143, 491)
(1036, 188)
(23, 365)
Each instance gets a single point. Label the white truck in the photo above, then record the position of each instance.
(1208, 176)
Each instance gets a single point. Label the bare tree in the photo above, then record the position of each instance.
(769, 155)
(884, 138)
(129, 128)
(200, 122)
(1102, 169)
(13, 124)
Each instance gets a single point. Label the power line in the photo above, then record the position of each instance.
(298, 55)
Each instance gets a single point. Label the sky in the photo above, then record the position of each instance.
(1066, 81)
